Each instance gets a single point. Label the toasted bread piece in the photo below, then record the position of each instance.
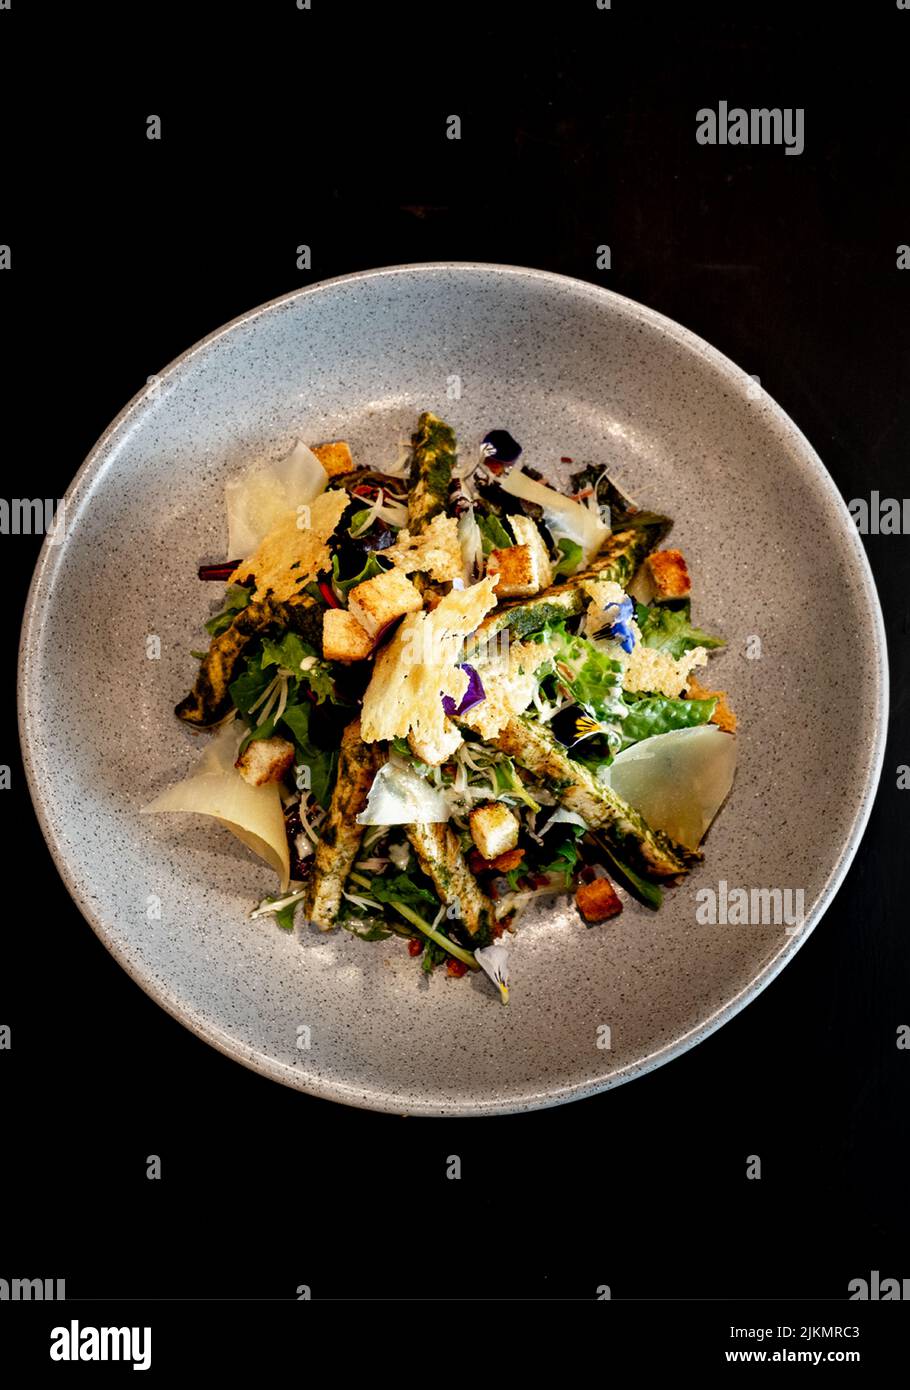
(598, 901)
(723, 715)
(376, 602)
(494, 829)
(525, 531)
(517, 573)
(265, 760)
(669, 574)
(336, 458)
(343, 639)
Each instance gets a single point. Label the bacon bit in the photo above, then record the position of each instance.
(327, 593)
(588, 873)
(539, 880)
(585, 492)
(456, 968)
(221, 572)
(414, 946)
(566, 460)
(509, 859)
(366, 490)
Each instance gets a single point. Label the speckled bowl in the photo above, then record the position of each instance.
(569, 369)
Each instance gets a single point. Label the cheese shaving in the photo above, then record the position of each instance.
(419, 666)
(436, 551)
(295, 550)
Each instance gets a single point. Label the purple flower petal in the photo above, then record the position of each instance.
(472, 696)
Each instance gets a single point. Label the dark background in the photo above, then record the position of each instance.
(327, 127)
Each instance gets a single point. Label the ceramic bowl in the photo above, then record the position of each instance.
(570, 370)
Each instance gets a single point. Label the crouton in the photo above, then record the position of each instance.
(514, 568)
(669, 574)
(597, 901)
(343, 639)
(723, 715)
(525, 531)
(494, 829)
(335, 458)
(265, 760)
(377, 602)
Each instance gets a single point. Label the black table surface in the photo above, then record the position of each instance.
(328, 127)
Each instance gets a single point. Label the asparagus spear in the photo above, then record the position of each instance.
(648, 851)
(431, 475)
(209, 698)
(431, 471)
(340, 835)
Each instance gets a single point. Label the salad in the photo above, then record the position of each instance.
(441, 691)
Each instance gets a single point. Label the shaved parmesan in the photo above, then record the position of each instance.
(563, 817)
(678, 781)
(399, 796)
(418, 666)
(471, 543)
(215, 788)
(563, 515)
(268, 493)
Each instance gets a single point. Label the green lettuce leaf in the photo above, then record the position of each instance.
(668, 629)
(494, 535)
(322, 762)
(369, 571)
(572, 556)
(236, 598)
(658, 714)
(403, 889)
